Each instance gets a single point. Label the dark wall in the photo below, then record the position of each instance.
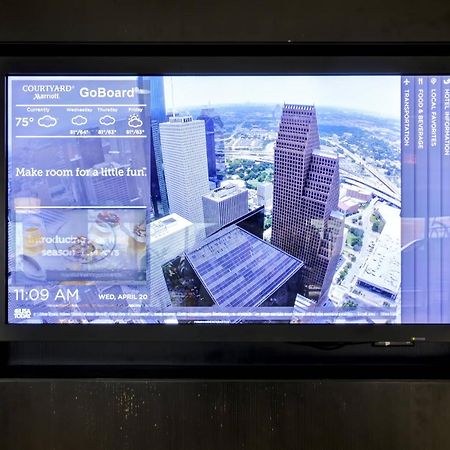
(161, 415)
(224, 20)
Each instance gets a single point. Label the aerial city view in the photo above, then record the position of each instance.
(284, 206)
(180, 199)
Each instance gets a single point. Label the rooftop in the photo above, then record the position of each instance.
(167, 225)
(224, 192)
(337, 215)
(180, 119)
(382, 269)
(296, 107)
(361, 190)
(326, 151)
(240, 270)
(348, 202)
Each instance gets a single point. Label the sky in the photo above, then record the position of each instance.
(379, 95)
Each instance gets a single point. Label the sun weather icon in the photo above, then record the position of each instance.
(134, 121)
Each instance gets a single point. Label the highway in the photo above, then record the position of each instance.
(363, 183)
(390, 186)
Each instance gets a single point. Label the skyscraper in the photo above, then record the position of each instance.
(183, 146)
(210, 145)
(157, 114)
(160, 195)
(224, 205)
(157, 99)
(215, 147)
(306, 223)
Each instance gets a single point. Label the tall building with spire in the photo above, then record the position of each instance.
(306, 222)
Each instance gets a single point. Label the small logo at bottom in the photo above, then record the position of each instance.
(22, 313)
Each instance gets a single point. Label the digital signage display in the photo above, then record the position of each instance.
(228, 199)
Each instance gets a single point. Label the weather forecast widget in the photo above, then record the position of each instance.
(60, 109)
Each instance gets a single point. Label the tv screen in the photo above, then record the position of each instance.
(228, 199)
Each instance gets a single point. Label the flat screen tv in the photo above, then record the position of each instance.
(225, 193)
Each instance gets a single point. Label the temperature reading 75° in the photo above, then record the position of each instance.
(23, 121)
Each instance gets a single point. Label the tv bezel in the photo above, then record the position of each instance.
(210, 59)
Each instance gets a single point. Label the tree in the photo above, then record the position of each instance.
(356, 244)
(351, 304)
(357, 232)
(355, 238)
(262, 177)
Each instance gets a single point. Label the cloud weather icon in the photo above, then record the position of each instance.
(107, 120)
(134, 121)
(79, 120)
(47, 121)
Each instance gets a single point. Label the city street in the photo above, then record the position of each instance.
(369, 239)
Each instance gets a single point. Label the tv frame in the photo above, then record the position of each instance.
(208, 59)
